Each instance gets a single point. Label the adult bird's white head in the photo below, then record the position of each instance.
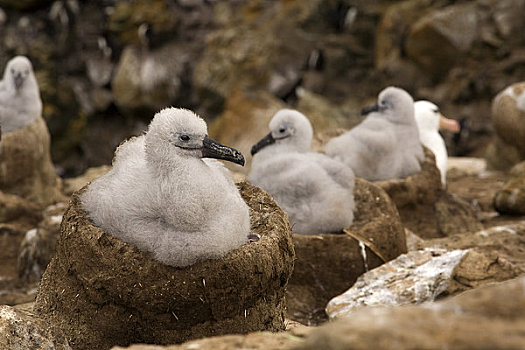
(429, 117)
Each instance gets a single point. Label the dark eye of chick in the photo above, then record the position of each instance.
(184, 138)
(435, 111)
(282, 129)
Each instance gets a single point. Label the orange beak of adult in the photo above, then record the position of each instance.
(448, 124)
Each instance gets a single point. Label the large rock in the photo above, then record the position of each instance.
(20, 329)
(508, 118)
(437, 41)
(328, 264)
(490, 317)
(495, 255)
(412, 278)
(26, 169)
(446, 266)
(101, 291)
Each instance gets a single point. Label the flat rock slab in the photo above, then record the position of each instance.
(489, 317)
(329, 264)
(412, 278)
(102, 292)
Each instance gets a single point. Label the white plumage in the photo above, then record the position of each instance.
(163, 198)
(314, 190)
(429, 121)
(386, 144)
(20, 102)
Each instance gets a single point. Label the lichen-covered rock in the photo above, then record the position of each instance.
(20, 329)
(412, 278)
(489, 317)
(26, 169)
(101, 291)
(328, 264)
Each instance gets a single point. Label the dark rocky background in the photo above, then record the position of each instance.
(104, 67)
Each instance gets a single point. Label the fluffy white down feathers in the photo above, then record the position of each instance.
(315, 191)
(163, 198)
(20, 102)
(386, 144)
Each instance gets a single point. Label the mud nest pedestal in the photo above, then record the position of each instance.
(329, 264)
(102, 292)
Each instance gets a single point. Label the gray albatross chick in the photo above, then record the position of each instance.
(20, 102)
(314, 190)
(162, 197)
(386, 144)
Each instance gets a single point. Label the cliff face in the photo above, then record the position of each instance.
(105, 67)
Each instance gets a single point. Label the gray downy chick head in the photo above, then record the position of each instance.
(290, 129)
(177, 132)
(394, 104)
(17, 71)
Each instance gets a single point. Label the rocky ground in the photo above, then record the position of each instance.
(456, 271)
(455, 268)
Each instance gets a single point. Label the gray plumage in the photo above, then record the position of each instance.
(163, 198)
(315, 191)
(20, 102)
(386, 144)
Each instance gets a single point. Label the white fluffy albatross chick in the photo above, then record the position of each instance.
(162, 197)
(314, 190)
(429, 121)
(20, 102)
(386, 144)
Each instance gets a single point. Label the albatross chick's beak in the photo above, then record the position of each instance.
(369, 109)
(19, 80)
(213, 149)
(448, 124)
(265, 141)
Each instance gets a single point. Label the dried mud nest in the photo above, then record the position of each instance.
(329, 264)
(100, 291)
